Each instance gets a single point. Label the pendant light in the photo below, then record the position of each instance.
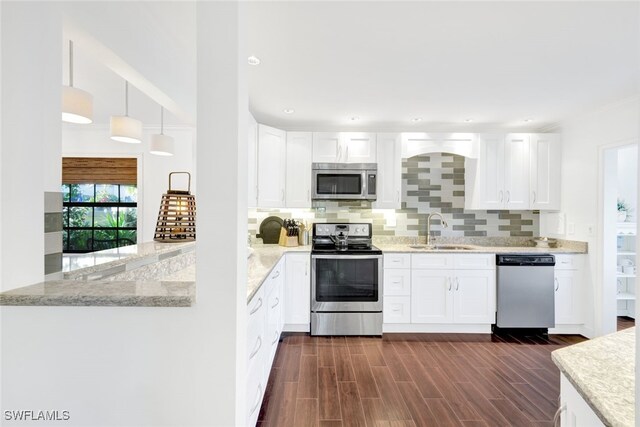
(77, 104)
(161, 144)
(125, 128)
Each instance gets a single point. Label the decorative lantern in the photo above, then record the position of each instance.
(177, 215)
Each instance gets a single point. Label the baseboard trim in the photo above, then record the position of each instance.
(435, 328)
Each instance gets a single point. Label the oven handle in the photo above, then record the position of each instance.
(318, 256)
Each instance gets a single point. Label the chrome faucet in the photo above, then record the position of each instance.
(431, 215)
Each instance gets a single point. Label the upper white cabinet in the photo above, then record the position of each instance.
(252, 162)
(389, 154)
(514, 171)
(298, 179)
(545, 171)
(272, 145)
(344, 147)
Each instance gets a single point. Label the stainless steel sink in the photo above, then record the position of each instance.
(442, 247)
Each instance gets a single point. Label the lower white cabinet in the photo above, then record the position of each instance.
(275, 300)
(256, 354)
(568, 303)
(575, 411)
(396, 309)
(297, 311)
(431, 299)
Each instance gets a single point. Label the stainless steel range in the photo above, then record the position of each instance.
(346, 281)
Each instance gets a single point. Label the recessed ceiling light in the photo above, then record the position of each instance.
(416, 119)
(253, 60)
(288, 111)
(528, 120)
(468, 120)
(354, 118)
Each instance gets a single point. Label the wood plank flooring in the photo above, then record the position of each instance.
(413, 380)
(625, 323)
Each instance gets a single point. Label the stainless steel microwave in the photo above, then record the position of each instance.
(344, 181)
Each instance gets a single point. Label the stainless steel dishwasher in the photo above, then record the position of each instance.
(525, 291)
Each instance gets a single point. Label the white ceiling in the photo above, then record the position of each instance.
(387, 62)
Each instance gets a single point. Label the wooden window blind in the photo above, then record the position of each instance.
(99, 170)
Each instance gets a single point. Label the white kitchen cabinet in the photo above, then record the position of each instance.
(298, 176)
(545, 156)
(252, 162)
(397, 282)
(344, 147)
(396, 309)
(516, 172)
(297, 313)
(474, 296)
(575, 411)
(272, 152)
(389, 180)
(275, 302)
(431, 300)
(568, 302)
(256, 354)
(392, 260)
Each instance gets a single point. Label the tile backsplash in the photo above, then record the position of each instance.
(430, 183)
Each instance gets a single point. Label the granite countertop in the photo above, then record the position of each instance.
(103, 293)
(402, 248)
(262, 261)
(112, 261)
(603, 371)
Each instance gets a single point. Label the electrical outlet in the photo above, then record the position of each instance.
(591, 229)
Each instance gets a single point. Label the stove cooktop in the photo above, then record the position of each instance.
(351, 250)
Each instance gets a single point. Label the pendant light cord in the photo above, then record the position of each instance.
(71, 63)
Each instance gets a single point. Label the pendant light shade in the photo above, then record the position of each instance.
(77, 104)
(161, 144)
(125, 128)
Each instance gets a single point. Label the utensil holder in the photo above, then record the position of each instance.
(287, 241)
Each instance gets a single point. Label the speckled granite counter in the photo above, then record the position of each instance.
(603, 371)
(103, 293)
(260, 264)
(400, 248)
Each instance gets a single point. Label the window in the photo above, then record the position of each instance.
(99, 216)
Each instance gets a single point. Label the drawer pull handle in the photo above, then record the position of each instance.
(257, 349)
(275, 276)
(257, 404)
(257, 307)
(395, 260)
(557, 283)
(277, 302)
(276, 338)
(557, 415)
(449, 283)
(396, 309)
(457, 283)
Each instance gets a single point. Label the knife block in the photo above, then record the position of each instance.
(288, 241)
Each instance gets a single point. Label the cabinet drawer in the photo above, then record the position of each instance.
(397, 261)
(397, 282)
(567, 262)
(432, 261)
(256, 319)
(273, 278)
(255, 392)
(474, 261)
(397, 309)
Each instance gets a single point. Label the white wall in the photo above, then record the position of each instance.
(628, 179)
(91, 141)
(582, 139)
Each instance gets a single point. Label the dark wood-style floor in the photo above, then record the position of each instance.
(625, 323)
(413, 380)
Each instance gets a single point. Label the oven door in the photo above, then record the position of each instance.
(346, 283)
(339, 184)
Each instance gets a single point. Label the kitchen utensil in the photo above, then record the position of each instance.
(544, 242)
(270, 230)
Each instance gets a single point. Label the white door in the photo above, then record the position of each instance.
(516, 169)
(358, 147)
(567, 310)
(431, 299)
(389, 181)
(297, 305)
(545, 171)
(491, 172)
(326, 147)
(298, 182)
(252, 162)
(474, 295)
(271, 167)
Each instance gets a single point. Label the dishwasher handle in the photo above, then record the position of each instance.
(534, 260)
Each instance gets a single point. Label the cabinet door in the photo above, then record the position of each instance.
(397, 282)
(389, 184)
(358, 147)
(567, 304)
(431, 296)
(516, 171)
(252, 162)
(271, 167)
(474, 296)
(298, 181)
(327, 147)
(490, 172)
(397, 309)
(298, 289)
(274, 323)
(545, 155)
